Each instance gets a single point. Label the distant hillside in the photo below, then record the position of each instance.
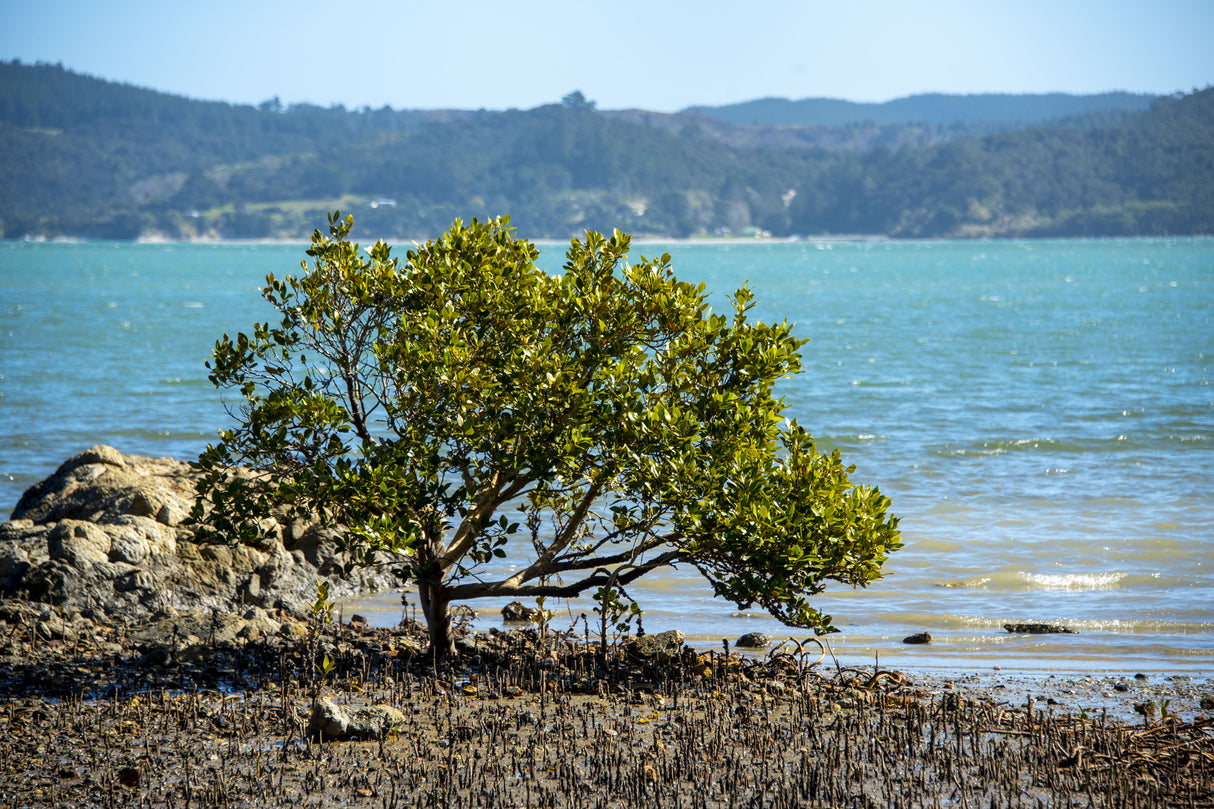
(82, 157)
(1150, 175)
(932, 108)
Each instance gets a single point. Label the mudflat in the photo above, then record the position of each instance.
(141, 717)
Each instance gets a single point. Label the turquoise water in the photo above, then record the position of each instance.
(1040, 412)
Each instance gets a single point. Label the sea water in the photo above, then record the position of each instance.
(1040, 412)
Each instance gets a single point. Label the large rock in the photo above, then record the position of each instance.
(104, 535)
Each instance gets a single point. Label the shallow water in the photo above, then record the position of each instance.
(1040, 412)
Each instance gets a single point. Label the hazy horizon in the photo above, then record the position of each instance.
(737, 102)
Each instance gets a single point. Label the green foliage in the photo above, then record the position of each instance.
(320, 615)
(322, 608)
(617, 611)
(421, 405)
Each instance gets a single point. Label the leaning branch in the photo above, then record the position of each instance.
(600, 578)
(486, 504)
(545, 564)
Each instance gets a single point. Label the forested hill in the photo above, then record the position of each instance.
(992, 109)
(82, 157)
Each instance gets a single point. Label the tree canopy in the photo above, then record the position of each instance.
(596, 425)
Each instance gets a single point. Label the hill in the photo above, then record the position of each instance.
(88, 158)
(933, 108)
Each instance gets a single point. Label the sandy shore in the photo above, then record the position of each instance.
(515, 722)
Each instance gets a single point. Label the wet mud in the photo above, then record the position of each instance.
(520, 720)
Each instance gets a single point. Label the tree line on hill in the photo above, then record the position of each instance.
(94, 159)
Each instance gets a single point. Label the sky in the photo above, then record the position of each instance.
(659, 55)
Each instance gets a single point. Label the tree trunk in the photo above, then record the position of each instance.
(436, 603)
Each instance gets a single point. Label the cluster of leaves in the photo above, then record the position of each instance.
(430, 407)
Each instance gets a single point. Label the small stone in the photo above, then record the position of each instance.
(1147, 709)
(753, 640)
(331, 722)
(661, 647)
(1039, 629)
(194, 653)
(919, 638)
(1122, 687)
(516, 611)
(156, 656)
(293, 631)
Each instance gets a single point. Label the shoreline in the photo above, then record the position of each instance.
(49, 642)
(1011, 655)
(639, 241)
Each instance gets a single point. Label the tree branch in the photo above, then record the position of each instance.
(489, 501)
(562, 541)
(600, 578)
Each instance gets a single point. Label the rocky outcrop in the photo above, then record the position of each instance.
(104, 536)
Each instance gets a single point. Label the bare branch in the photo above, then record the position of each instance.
(600, 578)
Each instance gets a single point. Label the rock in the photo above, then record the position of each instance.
(919, 638)
(192, 637)
(104, 535)
(1147, 709)
(1038, 629)
(753, 640)
(294, 631)
(1207, 703)
(330, 721)
(258, 624)
(517, 611)
(78, 543)
(659, 648)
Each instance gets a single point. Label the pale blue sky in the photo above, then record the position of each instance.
(655, 55)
